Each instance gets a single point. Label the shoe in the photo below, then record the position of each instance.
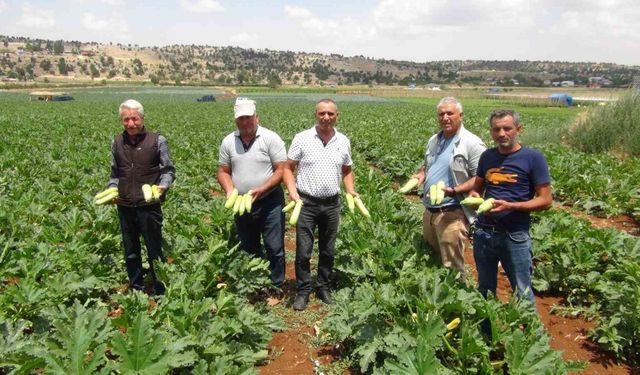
(324, 295)
(300, 303)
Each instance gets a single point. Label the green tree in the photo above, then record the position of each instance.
(58, 47)
(94, 71)
(138, 69)
(274, 81)
(62, 66)
(45, 65)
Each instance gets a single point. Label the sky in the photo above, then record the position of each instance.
(413, 30)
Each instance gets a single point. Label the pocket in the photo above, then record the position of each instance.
(519, 237)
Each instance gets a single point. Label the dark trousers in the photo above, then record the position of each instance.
(266, 219)
(145, 221)
(325, 214)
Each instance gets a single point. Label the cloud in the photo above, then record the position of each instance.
(342, 30)
(115, 25)
(297, 12)
(3, 6)
(36, 17)
(201, 6)
(244, 39)
(112, 3)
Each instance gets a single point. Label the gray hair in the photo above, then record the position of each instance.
(131, 104)
(501, 113)
(450, 100)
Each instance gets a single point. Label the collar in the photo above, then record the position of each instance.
(316, 135)
(456, 137)
(137, 139)
(259, 132)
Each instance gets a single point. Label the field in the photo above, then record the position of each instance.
(64, 307)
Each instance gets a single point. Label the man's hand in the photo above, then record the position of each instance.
(474, 194)
(420, 176)
(257, 193)
(162, 189)
(293, 195)
(449, 192)
(500, 206)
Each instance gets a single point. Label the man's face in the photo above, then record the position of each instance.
(132, 121)
(449, 118)
(247, 124)
(504, 132)
(326, 115)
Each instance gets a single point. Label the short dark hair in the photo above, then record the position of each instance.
(501, 113)
(327, 100)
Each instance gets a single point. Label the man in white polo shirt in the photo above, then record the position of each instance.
(253, 158)
(322, 156)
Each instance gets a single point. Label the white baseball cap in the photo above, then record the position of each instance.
(244, 107)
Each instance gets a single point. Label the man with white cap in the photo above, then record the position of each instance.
(251, 159)
(140, 157)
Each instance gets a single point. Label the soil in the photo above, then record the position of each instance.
(622, 222)
(568, 335)
(292, 350)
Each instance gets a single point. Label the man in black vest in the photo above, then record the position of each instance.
(140, 157)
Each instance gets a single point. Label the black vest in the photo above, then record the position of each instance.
(137, 165)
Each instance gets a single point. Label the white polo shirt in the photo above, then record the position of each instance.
(253, 167)
(320, 166)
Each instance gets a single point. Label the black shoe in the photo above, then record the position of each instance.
(324, 295)
(300, 303)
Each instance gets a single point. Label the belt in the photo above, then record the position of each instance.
(320, 200)
(492, 228)
(451, 207)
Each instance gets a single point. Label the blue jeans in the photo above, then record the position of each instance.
(266, 219)
(513, 250)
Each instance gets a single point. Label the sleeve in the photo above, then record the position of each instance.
(481, 170)
(224, 156)
(114, 179)
(347, 157)
(295, 151)
(540, 170)
(475, 152)
(167, 170)
(277, 150)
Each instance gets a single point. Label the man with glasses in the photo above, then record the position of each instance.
(322, 157)
(452, 157)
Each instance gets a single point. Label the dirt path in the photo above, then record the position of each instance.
(293, 351)
(622, 223)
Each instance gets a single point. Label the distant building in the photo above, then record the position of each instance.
(596, 82)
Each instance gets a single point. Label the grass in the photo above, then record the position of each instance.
(610, 128)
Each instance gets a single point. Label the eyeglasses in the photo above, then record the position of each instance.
(330, 114)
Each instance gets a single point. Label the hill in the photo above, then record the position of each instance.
(27, 60)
